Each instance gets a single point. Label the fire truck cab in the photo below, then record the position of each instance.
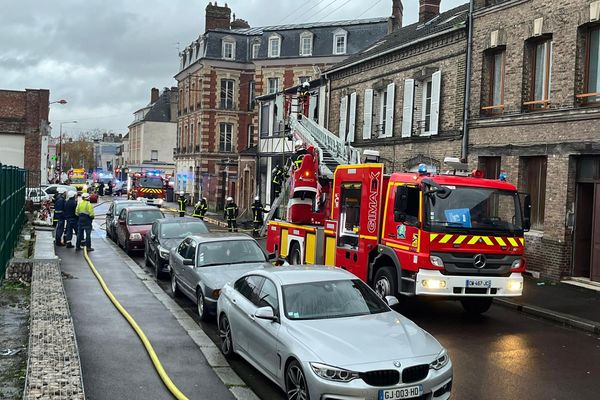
(416, 234)
(148, 187)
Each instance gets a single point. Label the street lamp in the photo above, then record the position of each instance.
(60, 140)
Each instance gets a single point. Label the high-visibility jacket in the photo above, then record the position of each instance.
(277, 176)
(299, 156)
(85, 212)
(182, 203)
(200, 209)
(231, 211)
(257, 211)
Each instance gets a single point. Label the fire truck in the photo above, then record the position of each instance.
(148, 186)
(414, 234)
(78, 177)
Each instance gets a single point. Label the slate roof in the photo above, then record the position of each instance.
(160, 111)
(407, 34)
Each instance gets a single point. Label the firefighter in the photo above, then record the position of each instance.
(277, 177)
(70, 217)
(299, 154)
(183, 202)
(257, 216)
(58, 218)
(200, 209)
(231, 214)
(85, 212)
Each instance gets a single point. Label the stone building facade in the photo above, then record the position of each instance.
(404, 96)
(534, 114)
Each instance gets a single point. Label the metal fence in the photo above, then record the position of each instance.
(12, 211)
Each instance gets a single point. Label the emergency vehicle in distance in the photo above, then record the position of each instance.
(412, 234)
(149, 187)
(78, 177)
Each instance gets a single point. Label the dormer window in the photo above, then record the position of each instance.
(255, 50)
(228, 49)
(306, 43)
(340, 37)
(274, 46)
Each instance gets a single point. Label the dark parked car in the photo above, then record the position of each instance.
(133, 224)
(165, 234)
(113, 213)
(202, 264)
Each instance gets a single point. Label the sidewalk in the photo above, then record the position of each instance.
(570, 305)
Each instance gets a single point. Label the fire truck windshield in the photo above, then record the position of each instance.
(470, 209)
(151, 182)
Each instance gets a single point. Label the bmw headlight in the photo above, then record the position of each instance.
(164, 253)
(333, 373)
(135, 236)
(159, 201)
(440, 360)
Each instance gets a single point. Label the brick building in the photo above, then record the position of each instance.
(23, 123)
(220, 75)
(404, 95)
(534, 113)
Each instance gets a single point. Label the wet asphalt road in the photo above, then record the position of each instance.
(500, 355)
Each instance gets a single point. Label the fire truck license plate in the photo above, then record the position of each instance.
(401, 393)
(479, 283)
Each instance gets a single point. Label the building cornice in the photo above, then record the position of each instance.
(535, 118)
(498, 7)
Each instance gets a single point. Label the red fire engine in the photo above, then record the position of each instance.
(148, 186)
(409, 233)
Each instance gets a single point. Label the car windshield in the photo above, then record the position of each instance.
(330, 299)
(472, 209)
(77, 180)
(143, 217)
(229, 252)
(151, 182)
(179, 230)
(120, 206)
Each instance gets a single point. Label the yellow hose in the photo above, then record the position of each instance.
(157, 364)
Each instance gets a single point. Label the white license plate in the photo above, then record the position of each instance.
(479, 283)
(401, 393)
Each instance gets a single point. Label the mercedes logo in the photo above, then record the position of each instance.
(479, 261)
(397, 364)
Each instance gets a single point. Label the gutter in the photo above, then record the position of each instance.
(464, 154)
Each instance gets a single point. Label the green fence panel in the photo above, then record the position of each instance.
(12, 211)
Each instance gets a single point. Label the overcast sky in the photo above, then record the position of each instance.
(103, 56)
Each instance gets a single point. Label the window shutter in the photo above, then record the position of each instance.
(352, 118)
(368, 114)
(343, 117)
(407, 107)
(389, 110)
(322, 105)
(436, 80)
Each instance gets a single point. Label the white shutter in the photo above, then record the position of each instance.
(389, 110)
(368, 114)
(343, 117)
(436, 80)
(407, 107)
(352, 118)
(322, 105)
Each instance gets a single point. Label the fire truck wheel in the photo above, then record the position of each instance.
(295, 256)
(385, 282)
(476, 305)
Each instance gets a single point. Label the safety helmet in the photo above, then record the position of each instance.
(61, 190)
(181, 193)
(299, 144)
(203, 198)
(85, 196)
(230, 198)
(71, 194)
(256, 198)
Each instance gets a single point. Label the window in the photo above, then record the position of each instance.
(426, 110)
(183, 248)
(349, 215)
(250, 135)
(382, 111)
(272, 85)
(541, 73)
(228, 50)
(303, 79)
(227, 94)
(490, 167)
(251, 95)
(274, 46)
(255, 50)
(249, 287)
(154, 155)
(191, 251)
(339, 41)
(495, 82)
(268, 296)
(226, 131)
(592, 67)
(535, 173)
(306, 42)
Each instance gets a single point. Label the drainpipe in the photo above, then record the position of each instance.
(465, 138)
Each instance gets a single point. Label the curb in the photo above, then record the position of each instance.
(564, 319)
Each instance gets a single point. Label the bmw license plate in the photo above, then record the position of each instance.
(479, 283)
(401, 393)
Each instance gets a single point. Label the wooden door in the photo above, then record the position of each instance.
(583, 229)
(595, 256)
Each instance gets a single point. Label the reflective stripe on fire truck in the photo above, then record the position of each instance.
(475, 239)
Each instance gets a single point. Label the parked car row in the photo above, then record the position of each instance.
(317, 332)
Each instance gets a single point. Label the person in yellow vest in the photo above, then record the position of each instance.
(85, 212)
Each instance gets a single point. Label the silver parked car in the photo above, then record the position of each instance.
(202, 264)
(320, 333)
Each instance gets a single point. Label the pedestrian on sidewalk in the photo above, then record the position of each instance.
(231, 214)
(101, 189)
(85, 212)
(183, 202)
(70, 217)
(200, 209)
(257, 216)
(58, 218)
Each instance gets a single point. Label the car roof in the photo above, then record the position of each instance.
(178, 220)
(141, 208)
(127, 201)
(220, 237)
(293, 274)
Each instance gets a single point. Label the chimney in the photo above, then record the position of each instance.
(153, 95)
(217, 17)
(428, 9)
(397, 11)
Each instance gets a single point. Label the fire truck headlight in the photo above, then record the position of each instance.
(135, 236)
(515, 285)
(516, 264)
(433, 283)
(159, 201)
(437, 261)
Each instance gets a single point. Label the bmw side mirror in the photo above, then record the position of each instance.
(265, 313)
(391, 300)
(188, 261)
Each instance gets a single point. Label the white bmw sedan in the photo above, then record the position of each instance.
(321, 333)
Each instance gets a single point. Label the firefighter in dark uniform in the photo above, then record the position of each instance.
(231, 214)
(299, 154)
(58, 218)
(200, 209)
(183, 202)
(277, 177)
(257, 216)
